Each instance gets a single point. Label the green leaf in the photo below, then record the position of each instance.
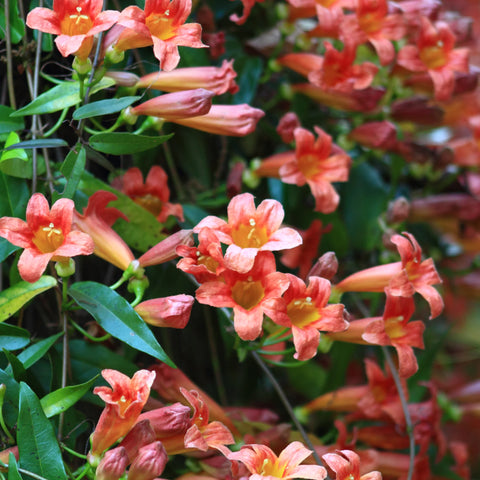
(6, 249)
(35, 352)
(60, 97)
(249, 72)
(103, 107)
(12, 468)
(120, 143)
(15, 297)
(16, 367)
(37, 446)
(14, 194)
(10, 402)
(62, 399)
(116, 316)
(17, 27)
(8, 124)
(72, 168)
(9, 153)
(12, 337)
(38, 143)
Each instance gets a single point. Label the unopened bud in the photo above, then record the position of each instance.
(65, 269)
(326, 266)
(140, 435)
(113, 464)
(168, 421)
(123, 79)
(150, 462)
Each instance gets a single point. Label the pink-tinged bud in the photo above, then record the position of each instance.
(302, 63)
(418, 110)
(287, 124)
(215, 42)
(123, 79)
(398, 210)
(150, 462)
(168, 421)
(113, 464)
(164, 251)
(173, 311)
(234, 180)
(177, 105)
(215, 79)
(141, 434)
(460, 206)
(381, 135)
(231, 120)
(365, 100)
(326, 266)
(4, 454)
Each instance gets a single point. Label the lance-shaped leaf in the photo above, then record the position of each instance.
(14, 298)
(8, 124)
(12, 337)
(35, 352)
(13, 468)
(117, 317)
(103, 107)
(60, 97)
(8, 153)
(62, 399)
(72, 169)
(122, 143)
(37, 445)
(10, 402)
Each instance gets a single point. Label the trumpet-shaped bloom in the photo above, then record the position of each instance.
(396, 330)
(75, 22)
(97, 220)
(371, 22)
(346, 465)
(46, 235)
(124, 403)
(308, 314)
(403, 278)
(318, 163)
(263, 464)
(176, 105)
(434, 53)
(337, 71)
(216, 79)
(231, 120)
(250, 294)
(153, 195)
(250, 230)
(162, 24)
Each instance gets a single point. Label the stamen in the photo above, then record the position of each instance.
(252, 222)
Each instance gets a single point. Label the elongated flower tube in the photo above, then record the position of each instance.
(262, 463)
(177, 105)
(166, 250)
(218, 80)
(75, 22)
(46, 235)
(124, 403)
(230, 120)
(173, 311)
(96, 221)
(403, 278)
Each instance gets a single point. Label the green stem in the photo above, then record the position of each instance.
(406, 412)
(73, 452)
(117, 284)
(86, 334)
(173, 172)
(8, 40)
(57, 123)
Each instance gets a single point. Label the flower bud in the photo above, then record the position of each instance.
(113, 464)
(167, 421)
(140, 435)
(150, 462)
(326, 266)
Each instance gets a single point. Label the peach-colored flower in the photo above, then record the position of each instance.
(161, 23)
(337, 71)
(216, 79)
(372, 22)
(308, 314)
(250, 230)
(287, 124)
(263, 464)
(75, 22)
(250, 294)
(434, 53)
(318, 163)
(124, 403)
(176, 105)
(97, 220)
(153, 195)
(231, 120)
(403, 278)
(346, 465)
(173, 311)
(46, 235)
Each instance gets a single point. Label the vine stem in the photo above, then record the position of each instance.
(406, 412)
(8, 40)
